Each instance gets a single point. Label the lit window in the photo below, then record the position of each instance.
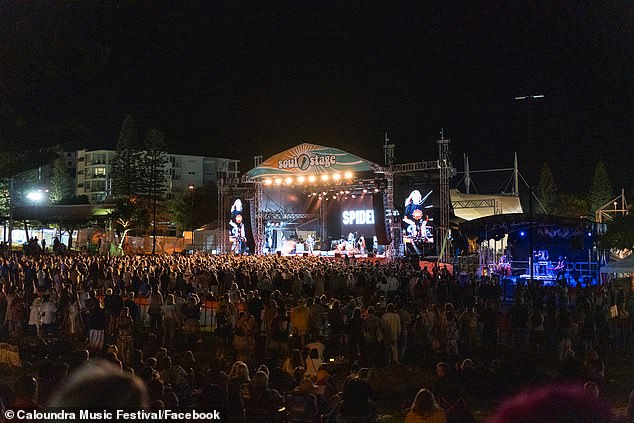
(100, 171)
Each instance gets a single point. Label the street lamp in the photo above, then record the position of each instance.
(615, 209)
(191, 188)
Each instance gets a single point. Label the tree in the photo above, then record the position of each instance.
(620, 234)
(572, 205)
(60, 186)
(154, 161)
(193, 208)
(4, 198)
(547, 191)
(128, 216)
(601, 189)
(127, 162)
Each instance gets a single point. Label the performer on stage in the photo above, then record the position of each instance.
(310, 243)
(504, 267)
(561, 268)
(361, 244)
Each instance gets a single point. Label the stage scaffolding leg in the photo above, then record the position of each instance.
(394, 229)
(259, 220)
(220, 242)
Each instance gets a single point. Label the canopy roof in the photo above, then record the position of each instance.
(475, 206)
(310, 159)
(64, 213)
(622, 266)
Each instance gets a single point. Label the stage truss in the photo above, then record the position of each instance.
(252, 190)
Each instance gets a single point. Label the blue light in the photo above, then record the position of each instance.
(589, 234)
(522, 233)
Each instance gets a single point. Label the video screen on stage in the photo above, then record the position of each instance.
(417, 200)
(418, 219)
(241, 234)
(358, 217)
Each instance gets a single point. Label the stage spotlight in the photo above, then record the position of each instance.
(589, 234)
(289, 180)
(336, 176)
(312, 178)
(301, 179)
(347, 175)
(353, 196)
(341, 192)
(325, 193)
(347, 192)
(268, 181)
(334, 197)
(522, 233)
(324, 177)
(278, 181)
(365, 190)
(376, 190)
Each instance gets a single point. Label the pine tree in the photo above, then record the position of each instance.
(547, 191)
(601, 189)
(127, 166)
(154, 160)
(60, 186)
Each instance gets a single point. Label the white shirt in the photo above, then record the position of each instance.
(48, 313)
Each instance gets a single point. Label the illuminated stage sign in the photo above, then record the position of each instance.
(305, 161)
(358, 217)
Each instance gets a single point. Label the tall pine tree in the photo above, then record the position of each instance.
(155, 177)
(547, 191)
(60, 185)
(601, 189)
(127, 167)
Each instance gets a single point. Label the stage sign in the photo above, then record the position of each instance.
(309, 159)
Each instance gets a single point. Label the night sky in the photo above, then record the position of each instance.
(243, 79)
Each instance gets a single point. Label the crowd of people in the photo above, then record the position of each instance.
(267, 336)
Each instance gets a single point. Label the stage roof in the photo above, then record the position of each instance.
(625, 266)
(310, 159)
(475, 206)
(546, 225)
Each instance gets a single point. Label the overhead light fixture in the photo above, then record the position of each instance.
(324, 177)
(278, 181)
(348, 175)
(312, 178)
(289, 180)
(301, 179)
(336, 177)
(268, 181)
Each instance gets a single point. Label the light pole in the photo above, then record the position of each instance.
(191, 188)
(531, 257)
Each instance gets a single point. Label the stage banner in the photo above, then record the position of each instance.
(310, 159)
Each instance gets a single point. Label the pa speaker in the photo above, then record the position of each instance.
(380, 228)
(305, 254)
(279, 253)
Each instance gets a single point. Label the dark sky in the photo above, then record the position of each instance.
(234, 80)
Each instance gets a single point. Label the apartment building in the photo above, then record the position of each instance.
(94, 177)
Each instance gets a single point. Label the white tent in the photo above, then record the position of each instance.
(474, 206)
(625, 266)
